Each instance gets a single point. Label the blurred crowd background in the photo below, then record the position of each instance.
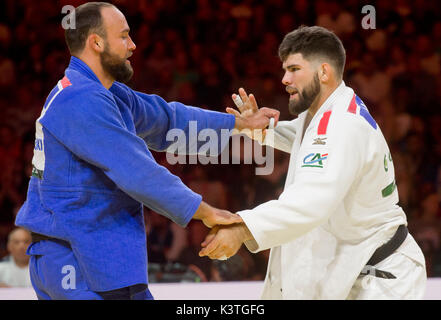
(199, 53)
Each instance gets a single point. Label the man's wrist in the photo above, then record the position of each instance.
(202, 211)
(239, 123)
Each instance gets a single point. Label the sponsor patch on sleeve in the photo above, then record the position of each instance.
(314, 158)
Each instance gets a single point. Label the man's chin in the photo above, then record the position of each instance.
(125, 76)
(126, 79)
(295, 109)
(120, 71)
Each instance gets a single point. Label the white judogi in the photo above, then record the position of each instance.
(339, 204)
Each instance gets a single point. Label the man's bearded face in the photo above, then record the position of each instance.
(304, 97)
(118, 68)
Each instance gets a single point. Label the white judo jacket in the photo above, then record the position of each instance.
(339, 203)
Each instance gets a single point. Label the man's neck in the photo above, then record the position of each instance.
(308, 119)
(95, 65)
(321, 98)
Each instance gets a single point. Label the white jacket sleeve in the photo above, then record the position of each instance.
(318, 188)
(284, 135)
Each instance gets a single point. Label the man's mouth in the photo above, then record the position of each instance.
(292, 96)
(292, 92)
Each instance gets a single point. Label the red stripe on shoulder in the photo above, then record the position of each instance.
(323, 124)
(65, 82)
(353, 106)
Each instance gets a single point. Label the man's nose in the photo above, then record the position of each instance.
(132, 45)
(286, 80)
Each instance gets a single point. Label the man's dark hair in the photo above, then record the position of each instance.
(88, 19)
(314, 42)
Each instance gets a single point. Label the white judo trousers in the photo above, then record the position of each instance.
(338, 206)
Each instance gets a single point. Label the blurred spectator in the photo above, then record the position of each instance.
(211, 84)
(165, 239)
(426, 228)
(370, 83)
(14, 269)
(377, 42)
(8, 78)
(11, 196)
(212, 191)
(233, 269)
(269, 187)
(397, 63)
(190, 254)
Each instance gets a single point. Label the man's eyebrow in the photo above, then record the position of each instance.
(292, 66)
(126, 30)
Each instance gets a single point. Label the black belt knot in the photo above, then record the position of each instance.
(385, 251)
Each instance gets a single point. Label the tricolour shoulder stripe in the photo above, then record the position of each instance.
(355, 103)
(39, 158)
(353, 106)
(323, 124)
(364, 112)
(65, 82)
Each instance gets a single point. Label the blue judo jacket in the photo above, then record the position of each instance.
(93, 172)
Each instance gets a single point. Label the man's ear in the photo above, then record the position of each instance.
(96, 43)
(325, 72)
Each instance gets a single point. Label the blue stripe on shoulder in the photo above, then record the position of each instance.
(364, 112)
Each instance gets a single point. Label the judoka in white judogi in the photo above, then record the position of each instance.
(339, 204)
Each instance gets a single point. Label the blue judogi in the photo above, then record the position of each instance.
(93, 172)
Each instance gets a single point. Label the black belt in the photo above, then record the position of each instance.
(385, 251)
(39, 237)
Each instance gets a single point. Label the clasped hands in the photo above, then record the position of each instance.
(227, 234)
(228, 231)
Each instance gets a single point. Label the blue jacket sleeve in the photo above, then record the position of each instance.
(91, 127)
(155, 118)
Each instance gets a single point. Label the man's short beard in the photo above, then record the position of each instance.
(115, 67)
(306, 97)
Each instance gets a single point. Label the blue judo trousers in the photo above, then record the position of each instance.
(92, 174)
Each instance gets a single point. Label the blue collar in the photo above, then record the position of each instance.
(80, 66)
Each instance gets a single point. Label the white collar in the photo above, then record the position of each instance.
(329, 101)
